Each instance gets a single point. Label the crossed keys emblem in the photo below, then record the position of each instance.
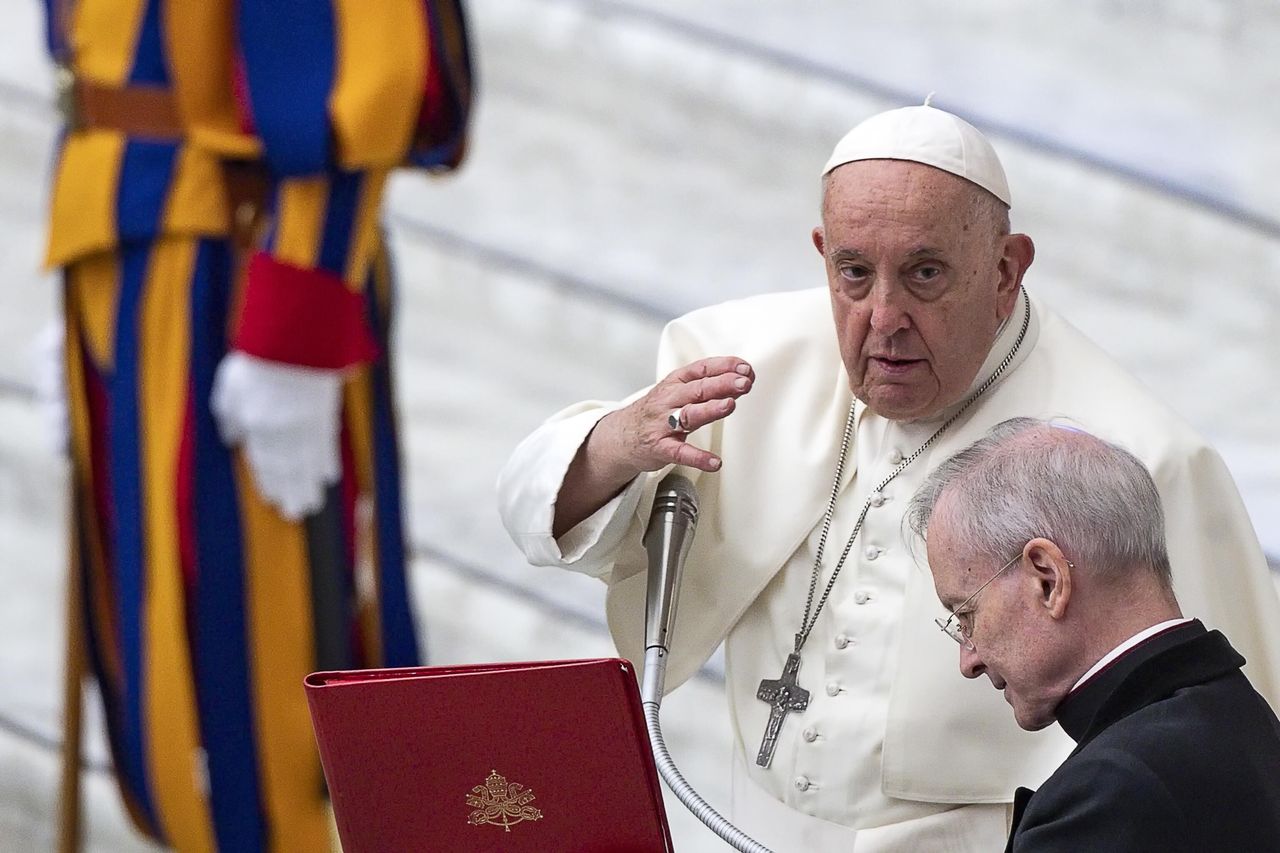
(501, 803)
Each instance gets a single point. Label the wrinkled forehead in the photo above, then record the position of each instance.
(900, 185)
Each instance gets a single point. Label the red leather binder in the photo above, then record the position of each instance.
(548, 756)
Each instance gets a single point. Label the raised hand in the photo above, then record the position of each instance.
(650, 434)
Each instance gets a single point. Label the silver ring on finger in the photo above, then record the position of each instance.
(675, 421)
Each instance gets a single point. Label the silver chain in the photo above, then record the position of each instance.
(807, 624)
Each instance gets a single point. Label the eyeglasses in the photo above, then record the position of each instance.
(953, 627)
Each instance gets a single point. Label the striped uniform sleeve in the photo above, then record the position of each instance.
(334, 113)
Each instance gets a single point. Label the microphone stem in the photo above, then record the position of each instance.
(655, 674)
(667, 539)
(655, 671)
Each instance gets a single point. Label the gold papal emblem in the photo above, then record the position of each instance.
(501, 803)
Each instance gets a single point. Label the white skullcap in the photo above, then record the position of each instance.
(926, 135)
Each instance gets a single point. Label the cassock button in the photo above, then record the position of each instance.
(842, 641)
(877, 499)
(802, 783)
(833, 689)
(871, 552)
(895, 456)
(861, 597)
(810, 734)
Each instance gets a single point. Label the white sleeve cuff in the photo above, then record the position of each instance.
(600, 532)
(530, 483)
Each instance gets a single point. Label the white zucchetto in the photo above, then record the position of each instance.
(928, 135)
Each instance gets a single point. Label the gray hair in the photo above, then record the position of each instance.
(1028, 478)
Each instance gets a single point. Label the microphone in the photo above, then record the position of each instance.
(667, 540)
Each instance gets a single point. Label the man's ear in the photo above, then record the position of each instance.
(1016, 255)
(1053, 575)
(819, 241)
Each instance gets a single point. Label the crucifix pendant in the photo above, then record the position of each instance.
(783, 695)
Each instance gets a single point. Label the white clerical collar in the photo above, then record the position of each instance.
(1140, 637)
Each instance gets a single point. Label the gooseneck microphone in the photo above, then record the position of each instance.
(667, 539)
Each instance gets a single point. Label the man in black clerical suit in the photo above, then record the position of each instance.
(1047, 547)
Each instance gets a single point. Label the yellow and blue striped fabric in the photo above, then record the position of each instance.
(204, 608)
(200, 598)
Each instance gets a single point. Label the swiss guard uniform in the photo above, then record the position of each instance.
(217, 191)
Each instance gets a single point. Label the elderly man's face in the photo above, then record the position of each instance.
(920, 281)
(1006, 624)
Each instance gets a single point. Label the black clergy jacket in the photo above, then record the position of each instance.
(1175, 751)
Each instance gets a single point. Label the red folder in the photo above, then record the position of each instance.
(549, 757)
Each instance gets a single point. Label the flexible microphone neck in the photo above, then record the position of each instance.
(667, 539)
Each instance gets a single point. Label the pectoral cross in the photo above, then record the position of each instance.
(784, 695)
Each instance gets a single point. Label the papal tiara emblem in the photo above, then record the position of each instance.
(501, 803)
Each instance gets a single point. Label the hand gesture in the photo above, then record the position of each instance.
(650, 433)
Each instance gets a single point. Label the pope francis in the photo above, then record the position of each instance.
(806, 438)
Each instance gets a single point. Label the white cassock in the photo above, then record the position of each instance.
(896, 751)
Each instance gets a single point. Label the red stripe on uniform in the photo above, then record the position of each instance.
(304, 317)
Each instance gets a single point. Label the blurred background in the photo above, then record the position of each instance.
(632, 159)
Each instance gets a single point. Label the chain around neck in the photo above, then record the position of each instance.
(810, 613)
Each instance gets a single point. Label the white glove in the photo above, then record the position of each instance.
(287, 418)
(49, 376)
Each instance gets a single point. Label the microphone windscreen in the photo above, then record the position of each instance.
(675, 495)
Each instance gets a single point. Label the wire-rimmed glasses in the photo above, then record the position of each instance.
(954, 627)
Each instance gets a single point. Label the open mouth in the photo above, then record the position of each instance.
(894, 366)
